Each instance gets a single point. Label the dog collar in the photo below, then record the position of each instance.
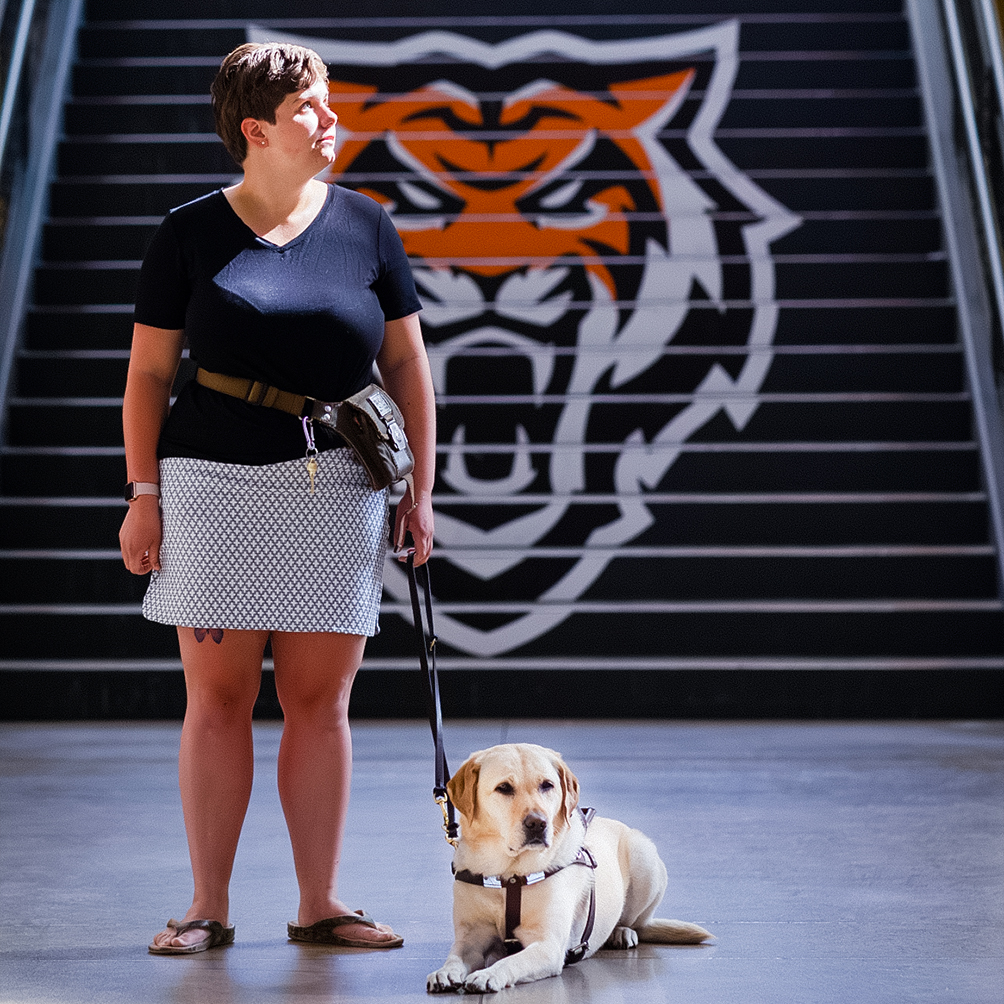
(514, 892)
(582, 857)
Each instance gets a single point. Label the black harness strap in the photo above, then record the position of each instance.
(514, 897)
(578, 953)
(513, 907)
(425, 632)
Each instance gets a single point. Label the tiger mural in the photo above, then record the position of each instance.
(568, 216)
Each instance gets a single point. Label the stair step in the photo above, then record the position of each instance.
(94, 78)
(104, 114)
(105, 239)
(921, 321)
(774, 109)
(32, 474)
(864, 36)
(86, 117)
(855, 150)
(702, 575)
(56, 374)
(900, 189)
(899, 329)
(81, 580)
(105, 329)
(773, 70)
(144, 196)
(897, 191)
(114, 282)
(836, 280)
(91, 282)
(94, 423)
(99, 422)
(117, 236)
(183, 153)
(98, 41)
(882, 236)
(107, 635)
(893, 629)
(686, 519)
(202, 152)
(699, 573)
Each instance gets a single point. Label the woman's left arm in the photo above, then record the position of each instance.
(404, 367)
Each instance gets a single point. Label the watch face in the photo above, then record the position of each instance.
(130, 491)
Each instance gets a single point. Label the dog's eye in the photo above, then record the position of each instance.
(546, 785)
(505, 788)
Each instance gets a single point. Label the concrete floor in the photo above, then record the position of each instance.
(834, 862)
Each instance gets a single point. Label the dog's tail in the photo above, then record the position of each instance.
(672, 932)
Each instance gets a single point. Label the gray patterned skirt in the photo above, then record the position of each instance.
(249, 548)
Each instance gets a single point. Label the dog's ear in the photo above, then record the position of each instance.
(463, 787)
(569, 787)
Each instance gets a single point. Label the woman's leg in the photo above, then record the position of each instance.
(216, 762)
(313, 679)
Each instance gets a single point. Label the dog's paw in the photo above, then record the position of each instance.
(445, 980)
(622, 937)
(484, 982)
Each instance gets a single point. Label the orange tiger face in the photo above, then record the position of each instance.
(568, 215)
(494, 181)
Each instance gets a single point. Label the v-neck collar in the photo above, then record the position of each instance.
(262, 242)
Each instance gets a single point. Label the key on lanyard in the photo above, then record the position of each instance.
(311, 452)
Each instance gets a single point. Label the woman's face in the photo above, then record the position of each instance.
(304, 129)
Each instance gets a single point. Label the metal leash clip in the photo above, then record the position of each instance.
(448, 826)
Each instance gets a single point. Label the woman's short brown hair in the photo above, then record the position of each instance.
(253, 81)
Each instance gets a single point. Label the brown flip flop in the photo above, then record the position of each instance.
(324, 933)
(219, 936)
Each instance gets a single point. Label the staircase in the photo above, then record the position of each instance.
(843, 525)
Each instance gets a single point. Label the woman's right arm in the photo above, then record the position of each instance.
(153, 364)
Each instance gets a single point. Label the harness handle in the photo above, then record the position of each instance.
(426, 635)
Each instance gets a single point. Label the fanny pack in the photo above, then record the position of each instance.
(369, 422)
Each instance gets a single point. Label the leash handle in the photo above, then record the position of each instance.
(426, 636)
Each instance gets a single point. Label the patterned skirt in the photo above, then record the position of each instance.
(250, 548)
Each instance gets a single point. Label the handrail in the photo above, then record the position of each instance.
(988, 216)
(30, 191)
(14, 71)
(994, 31)
(964, 245)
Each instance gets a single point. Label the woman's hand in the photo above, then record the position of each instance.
(406, 376)
(141, 534)
(153, 363)
(415, 520)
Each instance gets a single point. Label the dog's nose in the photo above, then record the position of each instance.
(534, 825)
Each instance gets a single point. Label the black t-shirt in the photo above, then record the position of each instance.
(306, 317)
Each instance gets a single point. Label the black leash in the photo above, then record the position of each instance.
(426, 634)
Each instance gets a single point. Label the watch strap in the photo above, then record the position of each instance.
(137, 488)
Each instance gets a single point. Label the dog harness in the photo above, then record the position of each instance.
(514, 892)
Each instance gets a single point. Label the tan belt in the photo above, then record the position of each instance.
(253, 391)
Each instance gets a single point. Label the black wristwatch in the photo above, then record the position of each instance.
(136, 488)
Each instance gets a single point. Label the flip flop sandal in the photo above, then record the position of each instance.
(219, 936)
(324, 933)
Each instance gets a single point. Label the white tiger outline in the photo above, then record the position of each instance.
(630, 350)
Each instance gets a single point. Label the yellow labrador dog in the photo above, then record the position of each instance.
(540, 883)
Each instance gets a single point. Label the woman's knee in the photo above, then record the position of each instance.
(314, 672)
(226, 699)
(305, 699)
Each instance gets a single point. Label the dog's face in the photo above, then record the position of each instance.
(514, 798)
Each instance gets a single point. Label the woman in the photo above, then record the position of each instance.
(299, 285)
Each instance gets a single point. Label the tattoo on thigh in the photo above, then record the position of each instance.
(215, 633)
